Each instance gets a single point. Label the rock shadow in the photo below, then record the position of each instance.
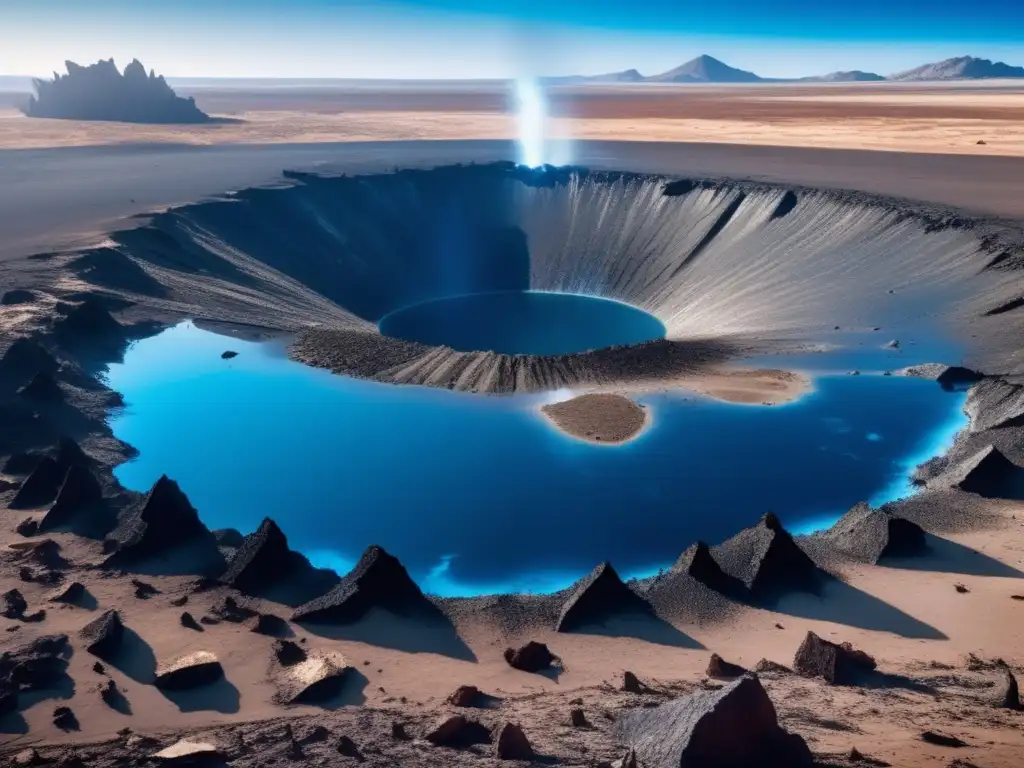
(134, 658)
(649, 628)
(203, 558)
(221, 696)
(943, 555)
(13, 724)
(344, 691)
(841, 603)
(384, 629)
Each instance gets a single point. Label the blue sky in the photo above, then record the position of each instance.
(500, 38)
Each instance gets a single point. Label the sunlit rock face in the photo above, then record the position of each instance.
(100, 92)
(726, 267)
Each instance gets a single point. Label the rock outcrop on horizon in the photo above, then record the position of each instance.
(597, 596)
(870, 534)
(734, 726)
(100, 92)
(850, 76)
(767, 560)
(705, 69)
(960, 68)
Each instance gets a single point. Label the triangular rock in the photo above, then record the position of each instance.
(163, 521)
(80, 490)
(871, 534)
(987, 473)
(995, 403)
(43, 388)
(512, 744)
(262, 559)
(103, 635)
(41, 487)
(1008, 696)
(728, 728)
(377, 581)
(839, 664)
(697, 562)
(766, 559)
(597, 596)
(89, 319)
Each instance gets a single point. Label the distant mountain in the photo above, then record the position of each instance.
(627, 76)
(961, 68)
(853, 76)
(705, 69)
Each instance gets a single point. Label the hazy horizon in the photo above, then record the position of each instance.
(493, 39)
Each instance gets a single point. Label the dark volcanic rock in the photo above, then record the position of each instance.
(89, 321)
(942, 740)
(231, 610)
(532, 657)
(837, 664)
(768, 666)
(163, 521)
(263, 559)
(268, 624)
(72, 593)
(228, 354)
(80, 490)
(871, 534)
(734, 727)
(719, 667)
(17, 296)
(44, 552)
(631, 683)
(987, 473)
(28, 527)
(1008, 696)
(190, 671)
(25, 358)
(13, 604)
(767, 560)
(42, 485)
(228, 537)
(347, 747)
(458, 732)
(43, 388)
(289, 653)
(465, 696)
(377, 581)
(65, 719)
(103, 635)
(697, 562)
(597, 596)
(188, 621)
(578, 719)
(100, 92)
(512, 743)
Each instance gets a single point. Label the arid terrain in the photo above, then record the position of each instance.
(936, 598)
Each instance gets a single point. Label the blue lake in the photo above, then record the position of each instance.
(480, 494)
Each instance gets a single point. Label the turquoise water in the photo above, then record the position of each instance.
(523, 323)
(480, 494)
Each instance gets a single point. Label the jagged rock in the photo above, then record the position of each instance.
(37, 665)
(99, 669)
(228, 354)
(189, 671)
(103, 635)
(289, 653)
(27, 527)
(995, 403)
(144, 590)
(948, 376)
(987, 473)
(512, 743)
(734, 726)
(268, 624)
(767, 560)
(72, 593)
(228, 537)
(43, 388)
(837, 664)
(465, 696)
(316, 679)
(100, 92)
(696, 561)
(26, 357)
(631, 683)
(44, 552)
(347, 748)
(1008, 696)
(163, 521)
(41, 487)
(89, 321)
(457, 732)
(532, 657)
(8, 485)
(719, 667)
(231, 610)
(262, 559)
(871, 534)
(597, 596)
(189, 622)
(65, 719)
(766, 666)
(13, 604)
(80, 490)
(577, 718)
(186, 752)
(377, 581)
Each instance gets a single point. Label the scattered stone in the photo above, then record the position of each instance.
(981, 141)
(597, 596)
(512, 743)
(458, 732)
(35, 617)
(165, 519)
(347, 748)
(27, 527)
(228, 354)
(178, 602)
(316, 734)
(268, 624)
(962, 589)
(209, 621)
(99, 669)
(1009, 692)
(313, 681)
(37, 665)
(767, 666)
(734, 726)
(231, 610)
(65, 719)
(289, 653)
(465, 696)
(837, 664)
(103, 635)
(187, 752)
(719, 667)
(144, 591)
(631, 683)
(189, 671)
(767, 560)
(45, 552)
(377, 581)
(942, 740)
(578, 719)
(189, 622)
(13, 604)
(532, 657)
(871, 534)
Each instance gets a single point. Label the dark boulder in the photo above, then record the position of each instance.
(163, 521)
(377, 581)
(65, 719)
(289, 653)
(42, 486)
(767, 560)
(79, 491)
(347, 748)
(766, 666)
(263, 559)
(17, 296)
(44, 552)
(192, 670)
(719, 667)
(532, 657)
(578, 719)
(733, 727)
(838, 664)
(228, 354)
(103, 635)
(512, 744)
(631, 683)
(89, 321)
(870, 534)
(942, 739)
(988, 473)
(43, 388)
(458, 732)
(596, 597)
(13, 604)
(144, 590)
(465, 696)
(26, 357)
(188, 621)
(316, 680)
(268, 624)
(698, 563)
(233, 611)
(72, 593)
(1008, 694)
(38, 665)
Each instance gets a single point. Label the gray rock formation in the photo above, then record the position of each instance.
(767, 560)
(987, 473)
(870, 534)
(960, 68)
(101, 92)
(43, 389)
(697, 562)
(102, 636)
(42, 486)
(995, 403)
(735, 727)
(596, 597)
(705, 69)
(79, 491)
(839, 664)
(316, 679)
(263, 559)
(192, 670)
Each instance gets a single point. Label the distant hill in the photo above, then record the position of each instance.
(101, 92)
(705, 69)
(853, 76)
(961, 68)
